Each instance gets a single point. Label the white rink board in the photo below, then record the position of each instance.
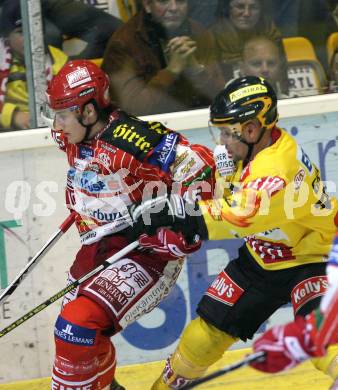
(29, 348)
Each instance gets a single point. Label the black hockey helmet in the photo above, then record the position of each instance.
(243, 99)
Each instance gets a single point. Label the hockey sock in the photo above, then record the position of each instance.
(328, 363)
(85, 359)
(200, 346)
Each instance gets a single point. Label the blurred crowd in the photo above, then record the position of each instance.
(174, 55)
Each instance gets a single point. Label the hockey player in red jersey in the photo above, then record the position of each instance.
(115, 160)
(288, 345)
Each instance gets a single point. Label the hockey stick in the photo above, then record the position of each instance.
(66, 224)
(259, 356)
(70, 287)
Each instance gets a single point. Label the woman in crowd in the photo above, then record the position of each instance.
(239, 21)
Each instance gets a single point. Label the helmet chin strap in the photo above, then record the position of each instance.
(251, 145)
(87, 127)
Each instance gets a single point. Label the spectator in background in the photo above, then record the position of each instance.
(285, 15)
(14, 112)
(73, 18)
(239, 21)
(162, 61)
(333, 8)
(333, 84)
(262, 57)
(204, 12)
(316, 21)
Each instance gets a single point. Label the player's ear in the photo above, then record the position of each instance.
(251, 130)
(89, 114)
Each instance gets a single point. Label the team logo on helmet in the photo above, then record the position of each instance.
(78, 77)
(86, 91)
(247, 91)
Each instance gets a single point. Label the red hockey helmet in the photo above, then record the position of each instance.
(77, 83)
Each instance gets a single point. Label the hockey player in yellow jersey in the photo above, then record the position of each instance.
(276, 201)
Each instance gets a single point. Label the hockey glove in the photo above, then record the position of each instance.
(173, 212)
(168, 244)
(288, 345)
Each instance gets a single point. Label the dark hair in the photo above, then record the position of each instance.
(10, 17)
(224, 7)
(331, 4)
(331, 63)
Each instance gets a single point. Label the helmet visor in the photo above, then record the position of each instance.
(226, 132)
(49, 116)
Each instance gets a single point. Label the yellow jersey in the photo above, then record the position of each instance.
(278, 204)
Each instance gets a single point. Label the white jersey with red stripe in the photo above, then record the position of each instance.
(122, 165)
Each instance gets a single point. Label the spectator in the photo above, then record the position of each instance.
(285, 15)
(333, 85)
(240, 20)
(262, 57)
(316, 21)
(204, 12)
(333, 8)
(76, 19)
(14, 112)
(162, 61)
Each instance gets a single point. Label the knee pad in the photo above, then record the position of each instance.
(200, 346)
(328, 363)
(82, 352)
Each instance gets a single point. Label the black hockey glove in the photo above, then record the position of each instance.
(174, 212)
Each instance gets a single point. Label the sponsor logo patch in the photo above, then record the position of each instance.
(87, 236)
(86, 152)
(78, 77)
(187, 164)
(130, 135)
(109, 148)
(105, 159)
(304, 159)
(299, 178)
(74, 334)
(225, 290)
(86, 91)
(164, 153)
(119, 284)
(105, 216)
(247, 91)
(307, 290)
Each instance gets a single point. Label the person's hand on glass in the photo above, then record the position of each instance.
(21, 120)
(180, 52)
